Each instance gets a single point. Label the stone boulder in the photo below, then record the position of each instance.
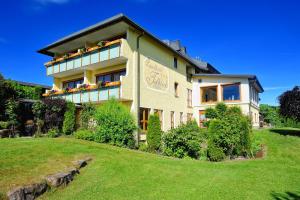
(28, 192)
(62, 178)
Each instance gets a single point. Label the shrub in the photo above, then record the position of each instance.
(3, 125)
(84, 134)
(143, 146)
(52, 133)
(11, 110)
(211, 113)
(115, 124)
(154, 133)
(230, 131)
(215, 154)
(69, 119)
(54, 112)
(87, 114)
(183, 141)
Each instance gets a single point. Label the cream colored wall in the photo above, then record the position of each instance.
(244, 104)
(58, 82)
(155, 99)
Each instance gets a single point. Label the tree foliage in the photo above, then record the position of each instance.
(289, 103)
(54, 113)
(69, 119)
(87, 114)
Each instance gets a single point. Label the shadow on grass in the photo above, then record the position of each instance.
(286, 131)
(285, 196)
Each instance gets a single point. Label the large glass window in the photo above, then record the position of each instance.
(72, 84)
(231, 92)
(110, 77)
(209, 94)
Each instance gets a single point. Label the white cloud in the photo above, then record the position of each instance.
(276, 88)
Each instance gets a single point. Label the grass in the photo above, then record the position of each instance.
(117, 173)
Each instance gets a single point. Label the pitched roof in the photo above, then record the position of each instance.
(118, 18)
(250, 77)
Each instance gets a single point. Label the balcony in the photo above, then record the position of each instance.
(85, 59)
(92, 94)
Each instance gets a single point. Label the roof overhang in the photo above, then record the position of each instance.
(252, 78)
(110, 27)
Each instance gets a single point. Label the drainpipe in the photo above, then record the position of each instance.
(138, 100)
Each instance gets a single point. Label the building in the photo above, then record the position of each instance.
(117, 58)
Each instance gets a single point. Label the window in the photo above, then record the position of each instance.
(144, 116)
(189, 97)
(181, 117)
(231, 92)
(110, 77)
(172, 119)
(209, 94)
(72, 84)
(189, 117)
(202, 117)
(188, 74)
(175, 63)
(160, 115)
(176, 89)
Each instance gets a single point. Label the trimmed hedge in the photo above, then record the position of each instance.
(154, 133)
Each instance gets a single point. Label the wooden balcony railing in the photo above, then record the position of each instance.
(80, 59)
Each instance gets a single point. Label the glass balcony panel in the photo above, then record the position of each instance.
(63, 66)
(104, 54)
(77, 62)
(70, 64)
(85, 97)
(55, 68)
(86, 59)
(69, 97)
(114, 92)
(114, 51)
(49, 70)
(94, 57)
(103, 94)
(94, 96)
(76, 97)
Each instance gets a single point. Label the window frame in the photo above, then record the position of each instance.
(229, 84)
(176, 89)
(111, 73)
(201, 94)
(72, 80)
(189, 98)
(144, 120)
(175, 63)
(172, 113)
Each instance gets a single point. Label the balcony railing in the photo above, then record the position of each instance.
(90, 95)
(80, 59)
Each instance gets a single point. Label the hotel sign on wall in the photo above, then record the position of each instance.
(156, 75)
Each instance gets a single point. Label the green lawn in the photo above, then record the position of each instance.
(117, 173)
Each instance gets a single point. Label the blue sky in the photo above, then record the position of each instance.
(254, 37)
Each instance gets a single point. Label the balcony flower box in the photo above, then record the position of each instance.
(110, 84)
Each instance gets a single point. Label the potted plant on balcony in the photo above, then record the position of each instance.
(101, 44)
(99, 84)
(82, 50)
